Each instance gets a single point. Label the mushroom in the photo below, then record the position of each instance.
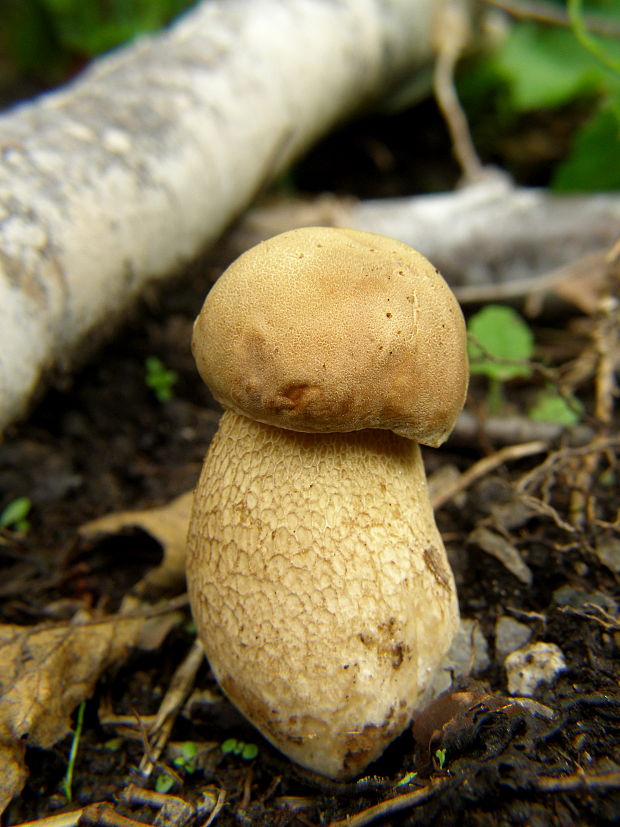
(317, 577)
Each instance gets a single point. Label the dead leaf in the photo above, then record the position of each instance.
(13, 771)
(455, 718)
(504, 551)
(168, 525)
(47, 670)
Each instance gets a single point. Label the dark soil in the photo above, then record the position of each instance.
(103, 442)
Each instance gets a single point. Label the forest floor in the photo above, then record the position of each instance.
(103, 442)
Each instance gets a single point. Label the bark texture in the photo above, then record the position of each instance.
(490, 232)
(130, 171)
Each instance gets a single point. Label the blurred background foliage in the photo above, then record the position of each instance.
(42, 42)
(563, 74)
(544, 102)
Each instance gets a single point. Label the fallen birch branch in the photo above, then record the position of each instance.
(487, 233)
(129, 172)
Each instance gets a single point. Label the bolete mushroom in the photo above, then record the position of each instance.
(318, 580)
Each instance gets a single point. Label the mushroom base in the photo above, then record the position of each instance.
(319, 586)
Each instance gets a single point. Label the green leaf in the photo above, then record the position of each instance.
(189, 749)
(89, 28)
(551, 407)
(249, 752)
(164, 783)
(159, 378)
(593, 161)
(500, 338)
(15, 513)
(229, 745)
(235, 747)
(548, 67)
(593, 44)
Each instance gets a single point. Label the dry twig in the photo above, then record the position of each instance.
(392, 805)
(180, 686)
(221, 800)
(104, 815)
(578, 781)
(60, 820)
(451, 38)
(486, 465)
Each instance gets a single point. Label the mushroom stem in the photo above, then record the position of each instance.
(316, 566)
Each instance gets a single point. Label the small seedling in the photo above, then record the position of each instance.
(164, 783)
(607, 478)
(186, 760)
(440, 757)
(234, 747)
(77, 733)
(406, 779)
(15, 514)
(159, 378)
(551, 407)
(500, 344)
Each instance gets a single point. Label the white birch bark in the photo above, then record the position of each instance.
(487, 233)
(130, 171)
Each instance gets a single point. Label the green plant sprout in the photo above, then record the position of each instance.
(541, 66)
(233, 747)
(607, 478)
(500, 347)
(186, 760)
(500, 343)
(159, 378)
(77, 733)
(15, 514)
(440, 757)
(551, 407)
(164, 783)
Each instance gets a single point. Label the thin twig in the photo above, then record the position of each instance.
(606, 341)
(560, 456)
(132, 794)
(452, 35)
(578, 781)
(486, 465)
(180, 686)
(105, 815)
(606, 621)
(392, 805)
(552, 14)
(247, 789)
(221, 800)
(61, 820)
(544, 507)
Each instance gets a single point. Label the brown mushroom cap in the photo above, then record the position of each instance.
(324, 329)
